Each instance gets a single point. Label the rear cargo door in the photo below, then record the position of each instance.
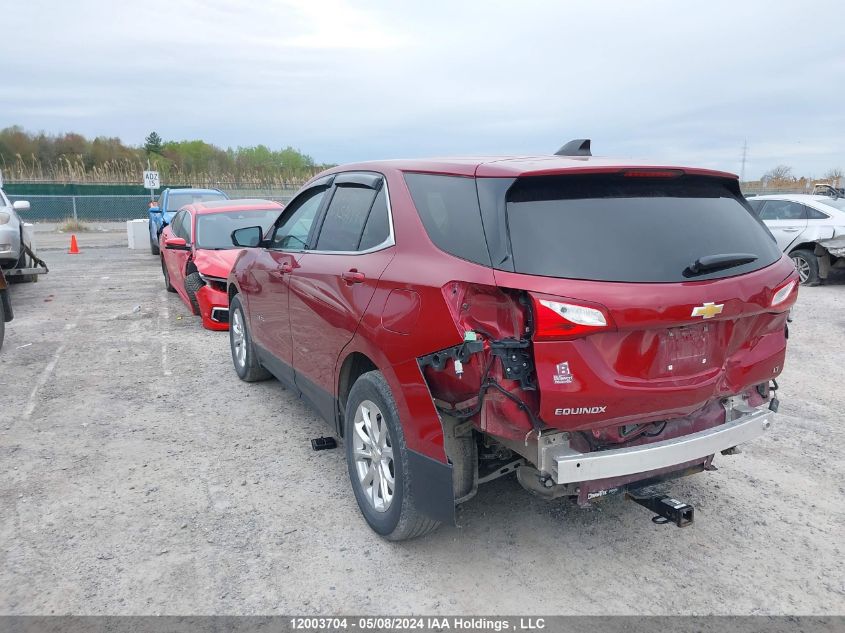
(650, 294)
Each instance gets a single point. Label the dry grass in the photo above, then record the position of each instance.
(129, 171)
(70, 225)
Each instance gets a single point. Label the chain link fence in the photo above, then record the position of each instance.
(117, 208)
(114, 208)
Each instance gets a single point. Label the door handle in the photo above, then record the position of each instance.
(790, 229)
(353, 277)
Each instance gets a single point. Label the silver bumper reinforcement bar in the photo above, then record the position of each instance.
(569, 466)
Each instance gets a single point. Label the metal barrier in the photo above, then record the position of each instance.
(114, 208)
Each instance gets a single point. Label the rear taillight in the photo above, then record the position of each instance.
(783, 293)
(558, 319)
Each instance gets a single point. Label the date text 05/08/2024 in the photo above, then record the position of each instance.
(455, 623)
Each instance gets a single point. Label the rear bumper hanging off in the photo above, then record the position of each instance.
(569, 466)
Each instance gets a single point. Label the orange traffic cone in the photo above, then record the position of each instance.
(74, 247)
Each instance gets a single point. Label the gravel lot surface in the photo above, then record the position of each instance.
(140, 476)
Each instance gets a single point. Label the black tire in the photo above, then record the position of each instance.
(23, 262)
(809, 266)
(400, 520)
(194, 282)
(166, 274)
(248, 370)
(154, 249)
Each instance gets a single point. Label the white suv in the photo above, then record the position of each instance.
(810, 228)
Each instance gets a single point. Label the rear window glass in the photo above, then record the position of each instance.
(176, 201)
(448, 208)
(617, 228)
(815, 214)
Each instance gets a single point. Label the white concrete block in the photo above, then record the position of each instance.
(138, 234)
(29, 236)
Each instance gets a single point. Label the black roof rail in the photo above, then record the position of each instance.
(575, 147)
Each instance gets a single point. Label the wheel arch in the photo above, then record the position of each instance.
(353, 366)
(418, 415)
(808, 246)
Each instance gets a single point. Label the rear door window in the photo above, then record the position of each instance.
(783, 210)
(345, 218)
(377, 228)
(631, 229)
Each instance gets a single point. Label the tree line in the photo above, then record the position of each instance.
(71, 157)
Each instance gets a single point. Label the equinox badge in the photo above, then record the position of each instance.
(708, 310)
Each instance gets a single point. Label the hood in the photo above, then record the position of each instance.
(215, 263)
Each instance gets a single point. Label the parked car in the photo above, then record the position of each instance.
(169, 202)
(593, 325)
(198, 252)
(11, 231)
(810, 228)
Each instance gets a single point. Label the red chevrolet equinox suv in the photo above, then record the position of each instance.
(595, 326)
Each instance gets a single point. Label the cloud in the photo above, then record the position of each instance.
(349, 81)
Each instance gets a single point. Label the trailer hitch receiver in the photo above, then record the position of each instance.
(666, 508)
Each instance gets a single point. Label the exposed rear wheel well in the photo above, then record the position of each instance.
(354, 366)
(809, 246)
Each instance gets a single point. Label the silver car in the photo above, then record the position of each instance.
(11, 231)
(810, 228)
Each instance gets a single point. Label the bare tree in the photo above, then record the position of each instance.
(833, 174)
(781, 173)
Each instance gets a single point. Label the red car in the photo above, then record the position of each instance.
(594, 325)
(198, 252)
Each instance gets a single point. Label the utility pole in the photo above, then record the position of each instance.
(744, 156)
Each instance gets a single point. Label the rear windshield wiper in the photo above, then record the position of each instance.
(709, 263)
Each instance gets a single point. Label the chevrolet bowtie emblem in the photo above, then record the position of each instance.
(708, 310)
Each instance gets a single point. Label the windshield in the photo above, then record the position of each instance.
(176, 201)
(214, 230)
(633, 229)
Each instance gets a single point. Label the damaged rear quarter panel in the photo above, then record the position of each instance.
(835, 246)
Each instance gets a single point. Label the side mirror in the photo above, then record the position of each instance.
(176, 244)
(21, 205)
(249, 236)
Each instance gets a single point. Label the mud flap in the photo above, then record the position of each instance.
(431, 487)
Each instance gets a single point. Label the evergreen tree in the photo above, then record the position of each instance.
(152, 144)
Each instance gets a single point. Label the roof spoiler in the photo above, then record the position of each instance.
(575, 147)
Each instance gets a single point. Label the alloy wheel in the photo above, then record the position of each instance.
(803, 268)
(373, 454)
(238, 338)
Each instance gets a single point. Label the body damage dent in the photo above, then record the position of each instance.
(834, 246)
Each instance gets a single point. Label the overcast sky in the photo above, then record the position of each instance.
(677, 81)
